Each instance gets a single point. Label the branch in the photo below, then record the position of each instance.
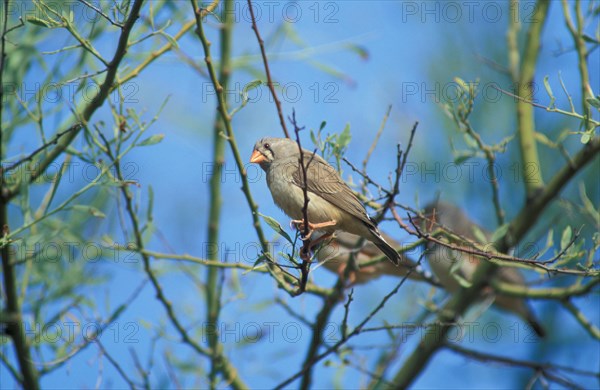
(529, 214)
(261, 43)
(115, 364)
(586, 323)
(228, 371)
(400, 164)
(525, 119)
(94, 104)
(99, 12)
(491, 159)
(334, 298)
(222, 108)
(305, 250)
(516, 231)
(376, 139)
(334, 348)
(54, 141)
(544, 368)
(213, 287)
(571, 113)
(582, 53)
(481, 250)
(310, 288)
(560, 293)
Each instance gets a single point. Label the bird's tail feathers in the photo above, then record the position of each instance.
(535, 325)
(387, 249)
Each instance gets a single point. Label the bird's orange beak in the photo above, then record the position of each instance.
(257, 157)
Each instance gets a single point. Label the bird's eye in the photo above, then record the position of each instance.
(268, 146)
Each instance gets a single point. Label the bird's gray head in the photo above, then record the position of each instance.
(267, 149)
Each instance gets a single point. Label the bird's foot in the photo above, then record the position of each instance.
(319, 240)
(299, 224)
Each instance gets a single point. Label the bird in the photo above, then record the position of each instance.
(449, 265)
(332, 205)
(335, 254)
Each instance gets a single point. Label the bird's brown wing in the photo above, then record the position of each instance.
(324, 181)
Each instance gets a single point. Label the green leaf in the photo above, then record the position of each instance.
(344, 138)
(479, 235)
(313, 138)
(38, 21)
(252, 84)
(249, 87)
(565, 240)
(470, 141)
(550, 239)
(323, 124)
(276, 227)
(150, 203)
(549, 91)
(259, 260)
(455, 271)
(585, 138)
(593, 102)
(589, 39)
(169, 38)
(500, 232)
(154, 139)
(360, 50)
(588, 205)
(462, 84)
(89, 209)
(541, 138)
(54, 187)
(462, 157)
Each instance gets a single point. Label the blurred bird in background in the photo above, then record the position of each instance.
(450, 266)
(335, 255)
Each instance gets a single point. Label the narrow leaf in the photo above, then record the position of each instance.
(500, 232)
(549, 91)
(89, 209)
(593, 102)
(38, 21)
(276, 227)
(154, 139)
(566, 237)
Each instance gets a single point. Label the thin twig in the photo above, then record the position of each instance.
(54, 141)
(346, 312)
(115, 364)
(213, 287)
(400, 164)
(290, 311)
(305, 250)
(572, 114)
(267, 70)
(99, 12)
(88, 340)
(491, 159)
(487, 254)
(93, 105)
(12, 298)
(542, 367)
(366, 177)
(376, 139)
(222, 108)
(356, 331)
(583, 320)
